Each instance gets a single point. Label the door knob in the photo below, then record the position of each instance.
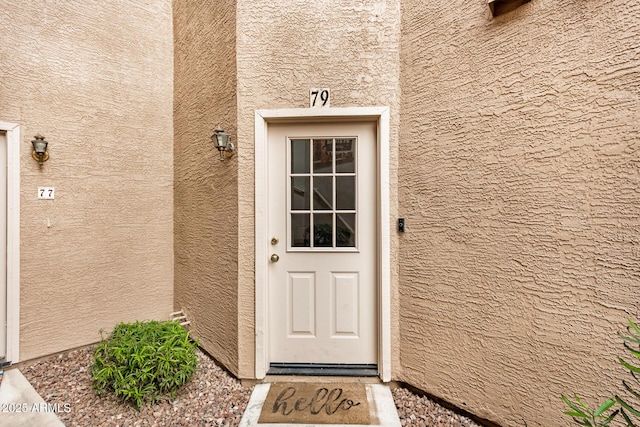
(275, 258)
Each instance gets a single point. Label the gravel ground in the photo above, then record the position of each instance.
(419, 411)
(211, 398)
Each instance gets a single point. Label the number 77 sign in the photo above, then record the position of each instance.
(47, 193)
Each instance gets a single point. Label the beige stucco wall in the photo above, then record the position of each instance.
(514, 149)
(96, 79)
(206, 189)
(519, 161)
(284, 49)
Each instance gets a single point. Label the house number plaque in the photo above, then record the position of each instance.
(319, 97)
(47, 193)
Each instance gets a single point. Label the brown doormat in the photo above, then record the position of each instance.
(316, 403)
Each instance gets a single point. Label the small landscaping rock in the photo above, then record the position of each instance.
(211, 398)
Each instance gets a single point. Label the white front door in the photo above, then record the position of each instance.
(3, 245)
(322, 278)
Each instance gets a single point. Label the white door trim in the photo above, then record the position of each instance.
(13, 240)
(262, 118)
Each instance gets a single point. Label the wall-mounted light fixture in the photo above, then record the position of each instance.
(221, 141)
(39, 152)
(499, 7)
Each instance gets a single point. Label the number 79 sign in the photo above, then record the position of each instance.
(319, 97)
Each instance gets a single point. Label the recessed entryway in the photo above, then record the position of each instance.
(9, 242)
(322, 276)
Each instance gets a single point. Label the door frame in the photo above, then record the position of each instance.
(13, 240)
(301, 115)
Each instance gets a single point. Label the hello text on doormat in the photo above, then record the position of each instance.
(300, 403)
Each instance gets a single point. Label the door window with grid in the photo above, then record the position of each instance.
(322, 181)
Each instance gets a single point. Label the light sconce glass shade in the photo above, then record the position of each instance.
(39, 152)
(221, 142)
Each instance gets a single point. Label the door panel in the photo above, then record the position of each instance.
(322, 213)
(345, 291)
(302, 302)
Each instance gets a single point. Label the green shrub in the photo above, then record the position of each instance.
(632, 344)
(588, 417)
(142, 361)
(585, 416)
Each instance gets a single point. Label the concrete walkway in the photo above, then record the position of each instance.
(22, 406)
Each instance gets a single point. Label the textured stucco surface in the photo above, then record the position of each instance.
(284, 48)
(206, 189)
(519, 178)
(514, 152)
(96, 79)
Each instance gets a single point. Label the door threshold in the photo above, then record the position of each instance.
(323, 369)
